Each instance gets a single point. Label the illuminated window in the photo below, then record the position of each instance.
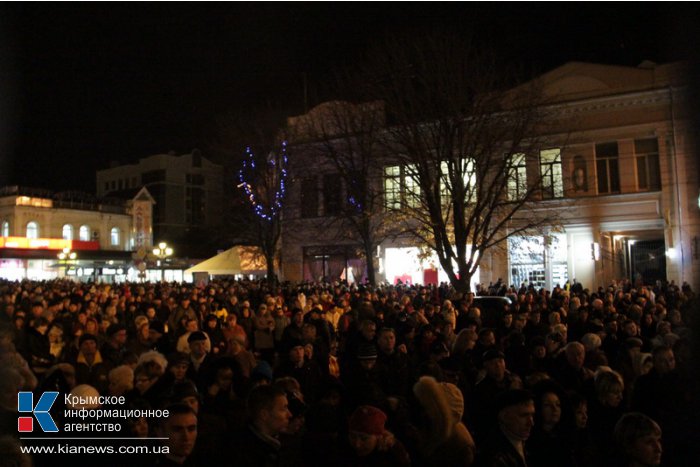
(411, 188)
(84, 233)
(606, 165)
(400, 187)
(114, 236)
(550, 171)
(68, 232)
(517, 177)
(392, 187)
(5, 229)
(468, 174)
(646, 152)
(32, 230)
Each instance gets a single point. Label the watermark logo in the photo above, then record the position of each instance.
(25, 404)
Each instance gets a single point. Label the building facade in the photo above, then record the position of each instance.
(96, 235)
(624, 176)
(187, 189)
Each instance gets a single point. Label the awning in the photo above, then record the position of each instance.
(236, 260)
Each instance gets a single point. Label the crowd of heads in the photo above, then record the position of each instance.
(405, 374)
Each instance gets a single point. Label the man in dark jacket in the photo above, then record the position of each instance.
(269, 413)
(515, 410)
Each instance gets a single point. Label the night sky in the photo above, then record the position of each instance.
(84, 84)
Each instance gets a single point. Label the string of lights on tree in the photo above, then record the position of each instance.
(259, 207)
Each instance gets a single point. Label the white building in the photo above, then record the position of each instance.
(37, 225)
(626, 177)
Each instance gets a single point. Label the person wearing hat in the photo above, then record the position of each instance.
(368, 443)
(90, 367)
(515, 413)
(304, 370)
(362, 377)
(496, 379)
(178, 364)
(443, 438)
(191, 325)
(115, 346)
(179, 316)
(201, 361)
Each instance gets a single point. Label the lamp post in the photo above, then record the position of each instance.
(65, 257)
(162, 252)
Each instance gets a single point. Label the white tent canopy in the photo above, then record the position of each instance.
(236, 260)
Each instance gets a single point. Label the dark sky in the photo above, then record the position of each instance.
(82, 84)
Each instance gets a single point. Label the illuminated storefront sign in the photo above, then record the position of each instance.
(47, 243)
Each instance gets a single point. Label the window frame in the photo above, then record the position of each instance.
(69, 228)
(85, 233)
(115, 234)
(651, 164)
(516, 189)
(551, 174)
(606, 167)
(32, 230)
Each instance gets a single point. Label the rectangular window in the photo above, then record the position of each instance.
(517, 177)
(309, 197)
(392, 187)
(332, 186)
(607, 171)
(468, 172)
(646, 152)
(551, 173)
(400, 187)
(411, 189)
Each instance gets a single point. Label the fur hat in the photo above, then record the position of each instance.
(367, 419)
(443, 403)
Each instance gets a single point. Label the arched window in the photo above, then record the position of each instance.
(32, 230)
(67, 232)
(114, 236)
(5, 229)
(84, 233)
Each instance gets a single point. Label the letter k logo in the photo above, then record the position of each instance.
(25, 403)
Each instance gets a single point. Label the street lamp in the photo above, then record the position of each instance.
(162, 252)
(65, 257)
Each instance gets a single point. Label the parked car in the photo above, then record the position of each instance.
(492, 309)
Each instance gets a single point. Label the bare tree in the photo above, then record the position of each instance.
(255, 144)
(346, 137)
(466, 146)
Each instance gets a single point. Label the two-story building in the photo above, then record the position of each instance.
(624, 177)
(44, 234)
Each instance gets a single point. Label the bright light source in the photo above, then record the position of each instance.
(671, 253)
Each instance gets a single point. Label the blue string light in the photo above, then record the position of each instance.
(266, 212)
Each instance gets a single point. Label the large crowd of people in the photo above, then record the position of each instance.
(315, 374)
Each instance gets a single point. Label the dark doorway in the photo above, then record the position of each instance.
(648, 262)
